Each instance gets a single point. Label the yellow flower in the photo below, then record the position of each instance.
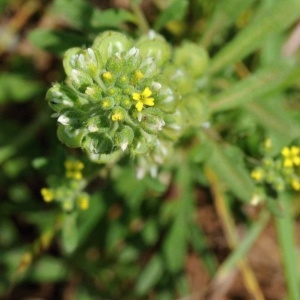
(47, 194)
(143, 99)
(107, 75)
(295, 184)
(73, 169)
(117, 117)
(257, 174)
(291, 156)
(83, 202)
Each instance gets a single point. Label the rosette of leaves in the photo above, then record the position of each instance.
(114, 97)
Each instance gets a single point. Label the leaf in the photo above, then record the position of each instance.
(174, 246)
(14, 87)
(48, 269)
(226, 161)
(176, 11)
(275, 19)
(150, 276)
(110, 18)
(264, 82)
(82, 15)
(55, 41)
(224, 15)
(275, 118)
(69, 233)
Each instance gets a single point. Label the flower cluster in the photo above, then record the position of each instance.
(68, 192)
(122, 95)
(282, 172)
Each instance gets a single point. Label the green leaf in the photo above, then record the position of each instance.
(224, 15)
(69, 233)
(56, 41)
(14, 87)
(275, 19)
(48, 269)
(227, 162)
(272, 114)
(262, 83)
(83, 15)
(175, 12)
(175, 244)
(110, 18)
(150, 276)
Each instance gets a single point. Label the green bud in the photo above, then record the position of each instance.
(118, 114)
(107, 103)
(61, 96)
(89, 61)
(69, 60)
(124, 138)
(193, 57)
(97, 124)
(167, 99)
(72, 117)
(80, 80)
(97, 143)
(70, 136)
(152, 120)
(110, 42)
(155, 46)
(125, 102)
(95, 93)
(122, 81)
(115, 64)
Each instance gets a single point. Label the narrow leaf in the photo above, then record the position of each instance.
(261, 83)
(276, 19)
(227, 163)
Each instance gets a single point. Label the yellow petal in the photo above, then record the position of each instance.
(139, 106)
(136, 96)
(147, 92)
(285, 151)
(149, 101)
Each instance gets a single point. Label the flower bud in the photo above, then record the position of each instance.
(61, 96)
(97, 143)
(69, 60)
(152, 120)
(124, 138)
(110, 42)
(89, 61)
(193, 57)
(70, 136)
(80, 80)
(155, 46)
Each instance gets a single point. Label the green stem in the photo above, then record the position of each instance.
(141, 19)
(244, 246)
(286, 239)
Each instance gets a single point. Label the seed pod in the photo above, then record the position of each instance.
(110, 42)
(70, 136)
(97, 143)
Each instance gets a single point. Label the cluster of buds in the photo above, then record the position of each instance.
(281, 172)
(122, 95)
(68, 192)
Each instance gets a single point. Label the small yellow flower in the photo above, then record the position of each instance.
(73, 169)
(83, 202)
(143, 99)
(117, 116)
(107, 75)
(47, 194)
(138, 75)
(291, 156)
(257, 174)
(295, 184)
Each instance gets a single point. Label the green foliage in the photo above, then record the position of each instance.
(156, 111)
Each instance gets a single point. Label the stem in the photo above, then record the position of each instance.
(232, 239)
(286, 239)
(141, 19)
